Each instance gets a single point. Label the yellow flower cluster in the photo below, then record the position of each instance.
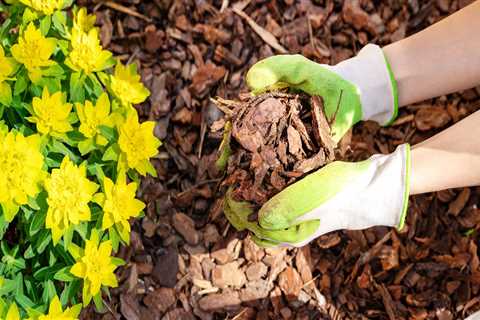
(51, 114)
(7, 67)
(87, 54)
(91, 119)
(55, 312)
(21, 164)
(69, 140)
(119, 205)
(47, 7)
(69, 192)
(33, 50)
(126, 85)
(82, 21)
(138, 144)
(95, 267)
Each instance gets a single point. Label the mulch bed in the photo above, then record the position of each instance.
(186, 262)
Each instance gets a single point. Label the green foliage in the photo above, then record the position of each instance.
(69, 140)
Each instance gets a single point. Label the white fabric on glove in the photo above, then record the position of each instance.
(378, 197)
(369, 72)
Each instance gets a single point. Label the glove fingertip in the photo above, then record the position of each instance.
(263, 243)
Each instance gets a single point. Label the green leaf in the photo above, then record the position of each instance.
(115, 238)
(48, 292)
(46, 273)
(45, 23)
(5, 93)
(24, 301)
(59, 20)
(70, 291)
(75, 136)
(94, 86)
(97, 299)
(96, 170)
(77, 90)
(118, 262)
(82, 230)
(37, 223)
(59, 147)
(224, 151)
(67, 237)
(63, 45)
(55, 70)
(20, 84)
(112, 153)
(7, 287)
(43, 240)
(64, 275)
(3, 225)
(19, 284)
(86, 146)
(108, 132)
(29, 253)
(28, 16)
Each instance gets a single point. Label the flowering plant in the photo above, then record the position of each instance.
(71, 154)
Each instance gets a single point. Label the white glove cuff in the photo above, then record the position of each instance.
(370, 72)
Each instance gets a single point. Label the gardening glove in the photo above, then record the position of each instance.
(341, 195)
(360, 88)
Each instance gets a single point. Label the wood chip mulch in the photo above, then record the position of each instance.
(186, 262)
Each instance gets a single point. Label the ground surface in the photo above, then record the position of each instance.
(185, 262)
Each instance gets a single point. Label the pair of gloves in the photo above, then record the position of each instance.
(341, 195)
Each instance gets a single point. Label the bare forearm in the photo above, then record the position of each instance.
(441, 59)
(449, 159)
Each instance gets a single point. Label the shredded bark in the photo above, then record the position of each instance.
(274, 143)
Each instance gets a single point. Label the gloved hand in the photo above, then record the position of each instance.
(341, 195)
(363, 87)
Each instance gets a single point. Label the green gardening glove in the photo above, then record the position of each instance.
(360, 88)
(341, 195)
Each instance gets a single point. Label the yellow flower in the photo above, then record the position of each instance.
(87, 54)
(47, 7)
(91, 118)
(34, 50)
(119, 205)
(126, 84)
(21, 166)
(138, 144)
(13, 313)
(51, 114)
(82, 21)
(69, 192)
(95, 267)
(7, 68)
(55, 311)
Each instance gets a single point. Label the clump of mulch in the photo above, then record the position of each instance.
(277, 138)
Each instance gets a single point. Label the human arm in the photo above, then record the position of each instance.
(441, 59)
(450, 159)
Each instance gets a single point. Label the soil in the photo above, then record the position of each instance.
(186, 262)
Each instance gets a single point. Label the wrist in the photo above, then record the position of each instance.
(370, 72)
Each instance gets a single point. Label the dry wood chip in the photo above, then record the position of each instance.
(264, 34)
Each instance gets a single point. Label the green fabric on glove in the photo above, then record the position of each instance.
(341, 98)
(237, 214)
